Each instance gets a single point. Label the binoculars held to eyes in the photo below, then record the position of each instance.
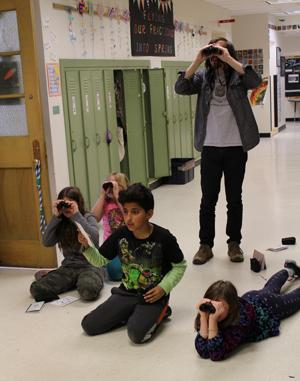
(211, 50)
(107, 185)
(63, 205)
(207, 307)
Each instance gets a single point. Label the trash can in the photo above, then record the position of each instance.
(182, 171)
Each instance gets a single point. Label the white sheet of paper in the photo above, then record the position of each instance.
(278, 248)
(35, 307)
(64, 301)
(84, 233)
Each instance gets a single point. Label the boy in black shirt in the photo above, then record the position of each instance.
(152, 264)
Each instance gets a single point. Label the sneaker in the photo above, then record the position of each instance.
(292, 267)
(235, 252)
(203, 255)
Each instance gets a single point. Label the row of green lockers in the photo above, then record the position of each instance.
(158, 122)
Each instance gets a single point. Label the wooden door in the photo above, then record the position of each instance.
(21, 142)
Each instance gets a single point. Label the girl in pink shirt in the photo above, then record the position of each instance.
(108, 210)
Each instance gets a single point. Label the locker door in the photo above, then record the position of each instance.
(188, 128)
(182, 124)
(159, 123)
(78, 167)
(193, 99)
(169, 89)
(111, 120)
(90, 135)
(100, 124)
(177, 116)
(135, 123)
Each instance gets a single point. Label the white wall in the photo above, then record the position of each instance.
(246, 36)
(103, 38)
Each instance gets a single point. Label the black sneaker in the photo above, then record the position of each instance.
(289, 264)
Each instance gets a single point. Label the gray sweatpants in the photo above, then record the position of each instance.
(87, 280)
(124, 307)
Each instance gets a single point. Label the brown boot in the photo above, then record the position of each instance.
(203, 255)
(235, 252)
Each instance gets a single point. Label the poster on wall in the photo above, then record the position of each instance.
(258, 94)
(53, 76)
(152, 28)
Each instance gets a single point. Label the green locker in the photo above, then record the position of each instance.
(135, 123)
(193, 100)
(186, 132)
(90, 134)
(169, 108)
(111, 121)
(100, 124)
(177, 115)
(159, 123)
(76, 140)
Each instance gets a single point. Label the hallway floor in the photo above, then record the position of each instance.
(50, 344)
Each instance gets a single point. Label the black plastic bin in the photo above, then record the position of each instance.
(182, 171)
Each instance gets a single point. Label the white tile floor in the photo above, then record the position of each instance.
(50, 345)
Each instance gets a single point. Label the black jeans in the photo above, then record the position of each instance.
(216, 161)
(124, 307)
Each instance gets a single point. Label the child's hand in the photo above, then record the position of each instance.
(82, 240)
(57, 212)
(72, 210)
(115, 190)
(154, 294)
(221, 311)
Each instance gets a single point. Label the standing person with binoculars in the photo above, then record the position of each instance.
(108, 210)
(224, 320)
(75, 271)
(225, 130)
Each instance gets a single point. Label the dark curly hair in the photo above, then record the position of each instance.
(66, 230)
(228, 70)
(137, 193)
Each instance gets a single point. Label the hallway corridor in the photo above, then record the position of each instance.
(50, 344)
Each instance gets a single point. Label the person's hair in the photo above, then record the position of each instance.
(121, 179)
(66, 230)
(228, 70)
(139, 194)
(223, 290)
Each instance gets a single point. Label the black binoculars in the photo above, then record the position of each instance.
(211, 50)
(63, 205)
(207, 307)
(107, 185)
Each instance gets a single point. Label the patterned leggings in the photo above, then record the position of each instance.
(280, 305)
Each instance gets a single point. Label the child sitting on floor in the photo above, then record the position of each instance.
(152, 265)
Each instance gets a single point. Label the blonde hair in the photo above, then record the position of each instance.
(121, 179)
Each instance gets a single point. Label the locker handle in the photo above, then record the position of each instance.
(185, 115)
(74, 145)
(87, 142)
(165, 115)
(174, 119)
(98, 139)
(180, 118)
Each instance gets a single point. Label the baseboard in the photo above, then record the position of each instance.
(282, 127)
(292, 119)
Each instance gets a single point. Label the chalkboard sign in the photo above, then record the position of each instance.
(152, 28)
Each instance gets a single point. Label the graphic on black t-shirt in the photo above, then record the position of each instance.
(142, 266)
